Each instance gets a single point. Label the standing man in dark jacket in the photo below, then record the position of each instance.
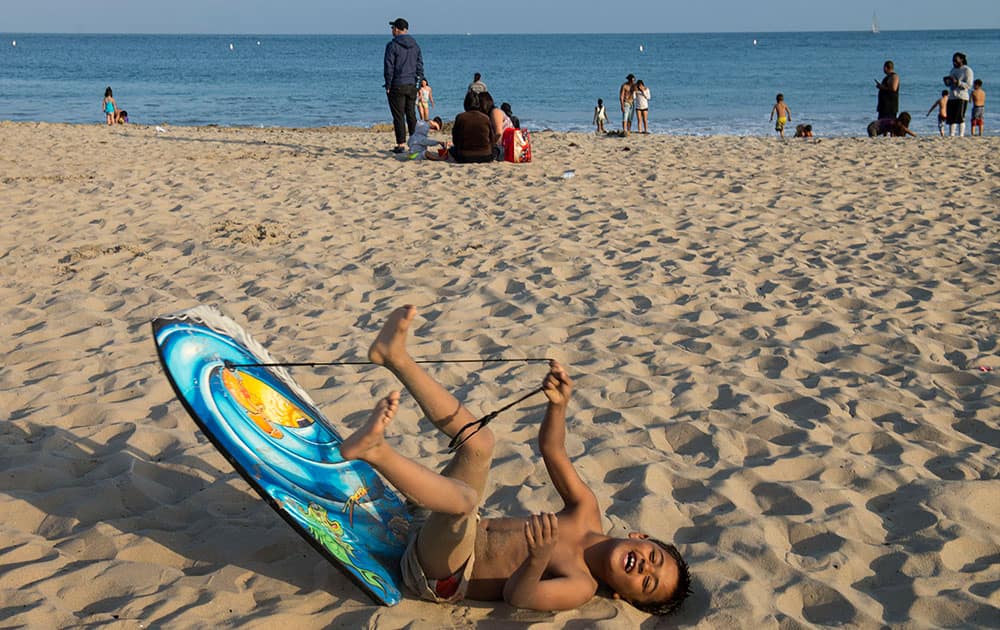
(403, 69)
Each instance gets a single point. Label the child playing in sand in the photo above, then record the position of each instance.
(109, 106)
(898, 127)
(942, 106)
(421, 145)
(783, 112)
(600, 116)
(545, 562)
(978, 106)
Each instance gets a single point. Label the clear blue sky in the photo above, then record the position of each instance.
(505, 16)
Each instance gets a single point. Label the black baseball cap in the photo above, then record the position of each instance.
(400, 24)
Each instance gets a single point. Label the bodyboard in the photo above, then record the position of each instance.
(272, 433)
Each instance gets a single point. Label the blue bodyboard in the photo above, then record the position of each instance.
(274, 436)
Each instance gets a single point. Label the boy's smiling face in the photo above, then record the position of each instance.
(641, 571)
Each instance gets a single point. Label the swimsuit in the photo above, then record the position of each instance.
(450, 589)
(780, 125)
(424, 96)
(109, 107)
(977, 114)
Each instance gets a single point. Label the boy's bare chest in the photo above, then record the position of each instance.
(501, 547)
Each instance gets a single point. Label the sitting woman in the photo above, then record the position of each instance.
(505, 108)
(498, 118)
(473, 139)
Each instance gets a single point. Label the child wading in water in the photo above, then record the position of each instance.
(783, 112)
(978, 97)
(942, 106)
(110, 106)
(545, 562)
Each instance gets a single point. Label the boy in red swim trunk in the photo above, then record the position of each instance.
(978, 106)
(552, 561)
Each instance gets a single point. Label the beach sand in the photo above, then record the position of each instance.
(776, 348)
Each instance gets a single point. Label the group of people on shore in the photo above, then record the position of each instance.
(952, 106)
(478, 133)
(633, 98)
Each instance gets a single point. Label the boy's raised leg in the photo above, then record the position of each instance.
(454, 535)
(472, 462)
(426, 487)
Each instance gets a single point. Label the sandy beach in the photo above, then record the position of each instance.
(786, 355)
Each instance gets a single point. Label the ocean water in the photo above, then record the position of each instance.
(701, 84)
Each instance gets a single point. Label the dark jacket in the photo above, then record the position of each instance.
(473, 134)
(403, 65)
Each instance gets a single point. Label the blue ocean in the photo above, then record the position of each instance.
(701, 84)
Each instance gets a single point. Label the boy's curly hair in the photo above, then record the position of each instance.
(683, 589)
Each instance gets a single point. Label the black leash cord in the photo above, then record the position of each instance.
(457, 441)
(231, 365)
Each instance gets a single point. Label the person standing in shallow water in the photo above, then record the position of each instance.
(783, 112)
(888, 92)
(403, 68)
(109, 106)
(477, 84)
(641, 101)
(959, 82)
(626, 98)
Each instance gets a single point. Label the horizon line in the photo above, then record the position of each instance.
(468, 34)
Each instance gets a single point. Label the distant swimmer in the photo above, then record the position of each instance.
(640, 47)
(477, 84)
(230, 46)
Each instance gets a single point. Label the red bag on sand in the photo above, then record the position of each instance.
(516, 145)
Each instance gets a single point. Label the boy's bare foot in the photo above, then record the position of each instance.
(390, 345)
(368, 440)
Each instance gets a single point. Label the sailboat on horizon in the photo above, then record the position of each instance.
(874, 24)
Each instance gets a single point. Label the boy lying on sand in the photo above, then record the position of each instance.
(545, 562)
